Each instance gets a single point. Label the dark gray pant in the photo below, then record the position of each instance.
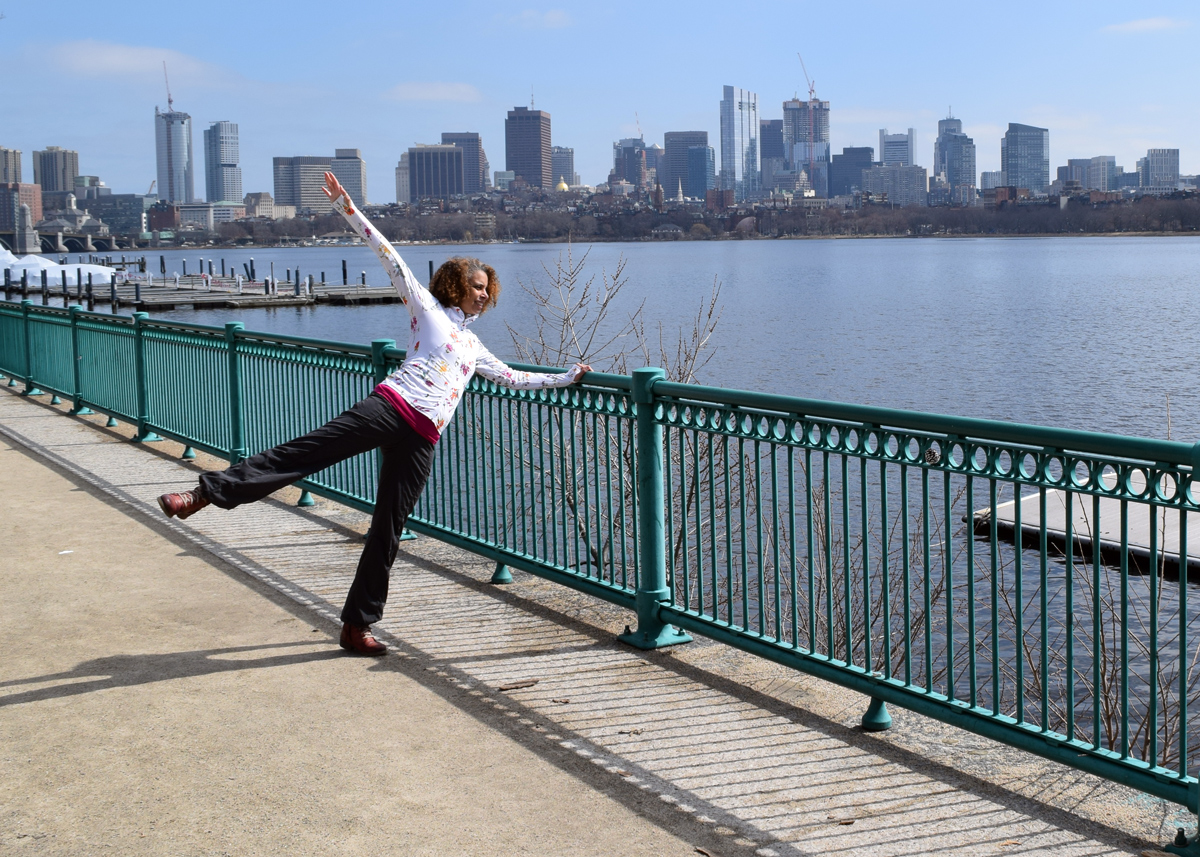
(406, 461)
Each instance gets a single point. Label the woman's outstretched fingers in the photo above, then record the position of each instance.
(333, 188)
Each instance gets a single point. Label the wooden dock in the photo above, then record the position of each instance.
(1107, 537)
(197, 292)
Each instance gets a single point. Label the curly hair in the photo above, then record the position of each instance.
(450, 281)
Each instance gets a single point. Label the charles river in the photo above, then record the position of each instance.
(1088, 333)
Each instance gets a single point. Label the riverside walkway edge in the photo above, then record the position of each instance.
(706, 747)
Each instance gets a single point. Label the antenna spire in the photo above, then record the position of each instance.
(170, 101)
(531, 96)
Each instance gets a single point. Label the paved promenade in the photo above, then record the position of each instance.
(175, 688)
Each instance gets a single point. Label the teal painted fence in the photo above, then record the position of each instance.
(868, 547)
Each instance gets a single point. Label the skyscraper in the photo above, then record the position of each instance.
(845, 170)
(10, 166)
(629, 161)
(350, 169)
(475, 163)
(173, 146)
(675, 160)
(898, 149)
(436, 172)
(562, 165)
(701, 171)
(806, 140)
(222, 175)
(1025, 157)
(527, 146)
(298, 182)
(1160, 170)
(954, 159)
(1102, 173)
(402, 184)
(739, 143)
(55, 169)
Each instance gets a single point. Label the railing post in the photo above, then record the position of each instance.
(77, 405)
(237, 423)
(144, 434)
(30, 387)
(652, 588)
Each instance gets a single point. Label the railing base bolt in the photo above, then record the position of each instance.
(1183, 845)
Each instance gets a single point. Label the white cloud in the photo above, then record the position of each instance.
(553, 19)
(90, 58)
(433, 91)
(1147, 25)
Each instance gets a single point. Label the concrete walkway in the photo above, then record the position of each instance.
(175, 688)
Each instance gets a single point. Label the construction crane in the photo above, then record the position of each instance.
(812, 120)
(170, 101)
(152, 184)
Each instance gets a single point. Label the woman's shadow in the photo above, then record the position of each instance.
(132, 670)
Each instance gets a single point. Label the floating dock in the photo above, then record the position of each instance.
(196, 292)
(1088, 537)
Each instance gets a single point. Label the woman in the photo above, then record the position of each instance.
(403, 417)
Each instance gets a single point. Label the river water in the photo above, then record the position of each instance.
(1088, 333)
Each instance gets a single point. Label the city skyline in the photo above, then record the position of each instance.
(1111, 90)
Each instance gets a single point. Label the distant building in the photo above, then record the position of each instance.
(475, 162)
(1076, 170)
(739, 143)
(173, 148)
(1102, 173)
(527, 146)
(674, 170)
(629, 162)
(10, 166)
(12, 196)
(298, 182)
(350, 169)
(125, 213)
(654, 162)
(162, 216)
(806, 141)
(54, 169)
(991, 179)
(954, 161)
(772, 159)
(701, 172)
(846, 169)
(1025, 157)
(904, 185)
(402, 183)
(503, 178)
(222, 175)
(259, 204)
(435, 172)
(1159, 171)
(562, 165)
(897, 149)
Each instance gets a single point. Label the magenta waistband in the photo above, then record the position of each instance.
(421, 424)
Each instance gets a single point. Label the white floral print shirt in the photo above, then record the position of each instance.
(442, 354)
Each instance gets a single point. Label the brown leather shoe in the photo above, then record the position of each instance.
(361, 641)
(182, 505)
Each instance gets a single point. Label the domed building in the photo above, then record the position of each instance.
(562, 185)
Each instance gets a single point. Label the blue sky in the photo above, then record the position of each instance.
(304, 78)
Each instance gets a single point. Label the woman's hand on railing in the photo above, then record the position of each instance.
(583, 369)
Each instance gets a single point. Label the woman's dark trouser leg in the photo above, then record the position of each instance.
(370, 423)
(405, 468)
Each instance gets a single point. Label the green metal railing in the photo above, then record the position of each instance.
(1028, 584)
